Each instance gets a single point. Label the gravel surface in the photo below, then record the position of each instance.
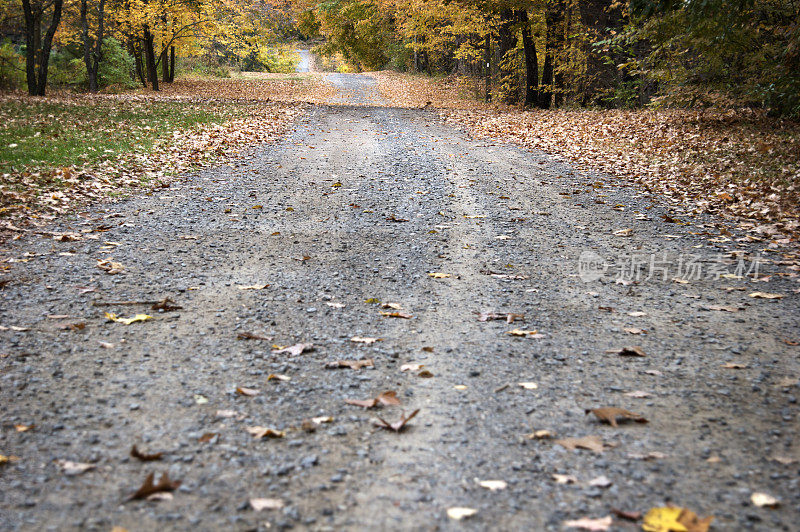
(357, 205)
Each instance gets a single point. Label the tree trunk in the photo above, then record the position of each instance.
(531, 60)
(135, 50)
(487, 65)
(150, 58)
(92, 58)
(507, 41)
(165, 65)
(600, 17)
(171, 64)
(37, 55)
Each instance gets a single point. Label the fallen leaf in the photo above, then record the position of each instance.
(166, 304)
(529, 334)
(624, 232)
(278, 377)
(252, 287)
(721, 308)
(136, 453)
(458, 513)
(600, 482)
(128, 321)
(493, 485)
(674, 519)
(395, 306)
(509, 317)
(363, 340)
(629, 351)
(734, 365)
(638, 394)
(395, 315)
(610, 414)
(765, 295)
(386, 398)
(149, 488)
(266, 504)
(200, 400)
(764, 500)
(634, 330)
(252, 336)
(540, 434)
(586, 523)
(411, 367)
(110, 267)
(590, 443)
(23, 428)
(249, 392)
(652, 455)
(265, 432)
(781, 459)
(207, 437)
(437, 275)
(294, 350)
(425, 374)
(8, 459)
(397, 426)
(352, 364)
(630, 516)
(564, 479)
(74, 468)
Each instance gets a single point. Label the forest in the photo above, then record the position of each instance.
(544, 53)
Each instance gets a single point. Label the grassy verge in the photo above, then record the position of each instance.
(36, 136)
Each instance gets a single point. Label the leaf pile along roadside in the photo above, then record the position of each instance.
(728, 161)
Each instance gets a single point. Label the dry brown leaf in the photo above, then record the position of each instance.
(74, 468)
(265, 432)
(628, 351)
(23, 428)
(144, 457)
(425, 374)
(599, 524)
(397, 426)
(208, 436)
(352, 364)
(294, 350)
(252, 287)
(248, 392)
(457, 513)
(278, 377)
(166, 304)
(110, 267)
(590, 443)
(266, 504)
(438, 275)
(395, 314)
(540, 434)
(527, 334)
(765, 295)
(764, 500)
(150, 488)
(365, 340)
(634, 330)
(252, 336)
(610, 414)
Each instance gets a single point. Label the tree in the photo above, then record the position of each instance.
(92, 48)
(37, 50)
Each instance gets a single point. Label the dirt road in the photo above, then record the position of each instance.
(359, 206)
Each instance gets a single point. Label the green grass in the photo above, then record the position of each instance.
(50, 135)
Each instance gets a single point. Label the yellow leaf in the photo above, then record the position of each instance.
(663, 520)
(128, 321)
(765, 295)
(437, 275)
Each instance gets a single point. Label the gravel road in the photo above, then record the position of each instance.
(359, 205)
